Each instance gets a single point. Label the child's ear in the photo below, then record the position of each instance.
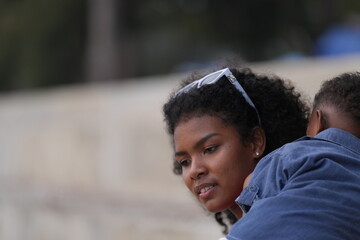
(317, 123)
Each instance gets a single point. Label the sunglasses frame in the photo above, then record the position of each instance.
(213, 78)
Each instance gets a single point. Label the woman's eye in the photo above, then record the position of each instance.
(210, 149)
(185, 162)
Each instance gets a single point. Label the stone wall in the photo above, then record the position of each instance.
(93, 162)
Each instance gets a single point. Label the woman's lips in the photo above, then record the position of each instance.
(204, 190)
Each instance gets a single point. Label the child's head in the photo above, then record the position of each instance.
(337, 105)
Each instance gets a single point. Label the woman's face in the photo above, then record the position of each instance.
(214, 160)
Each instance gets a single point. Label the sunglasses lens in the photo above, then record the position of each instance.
(211, 78)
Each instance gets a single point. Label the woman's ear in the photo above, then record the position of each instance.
(317, 123)
(258, 141)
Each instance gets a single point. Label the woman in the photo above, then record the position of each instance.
(222, 124)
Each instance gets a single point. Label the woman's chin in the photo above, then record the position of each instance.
(214, 209)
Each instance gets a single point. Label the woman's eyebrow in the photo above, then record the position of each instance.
(202, 140)
(182, 153)
(197, 144)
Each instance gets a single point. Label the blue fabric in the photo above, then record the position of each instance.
(339, 39)
(308, 189)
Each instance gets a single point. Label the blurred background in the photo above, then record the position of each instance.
(83, 150)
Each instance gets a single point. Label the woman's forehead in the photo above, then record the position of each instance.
(197, 127)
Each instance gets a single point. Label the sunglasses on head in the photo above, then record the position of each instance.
(213, 78)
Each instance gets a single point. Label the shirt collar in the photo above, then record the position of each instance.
(340, 137)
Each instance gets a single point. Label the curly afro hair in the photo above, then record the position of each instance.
(283, 114)
(341, 92)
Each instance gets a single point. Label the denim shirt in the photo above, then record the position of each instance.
(307, 189)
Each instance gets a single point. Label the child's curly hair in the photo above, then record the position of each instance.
(341, 92)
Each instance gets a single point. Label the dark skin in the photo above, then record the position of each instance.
(215, 159)
(327, 116)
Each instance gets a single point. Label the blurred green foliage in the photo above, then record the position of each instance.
(185, 34)
(41, 42)
(44, 42)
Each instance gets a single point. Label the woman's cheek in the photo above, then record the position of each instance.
(186, 179)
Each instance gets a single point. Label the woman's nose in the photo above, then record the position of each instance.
(198, 170)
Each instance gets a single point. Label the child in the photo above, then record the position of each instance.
(310, 189)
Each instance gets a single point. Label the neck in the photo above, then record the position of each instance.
(236, 210)
(341, 120)
(348, 126)
(354, 131)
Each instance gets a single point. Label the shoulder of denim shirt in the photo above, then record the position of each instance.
(340, 137)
